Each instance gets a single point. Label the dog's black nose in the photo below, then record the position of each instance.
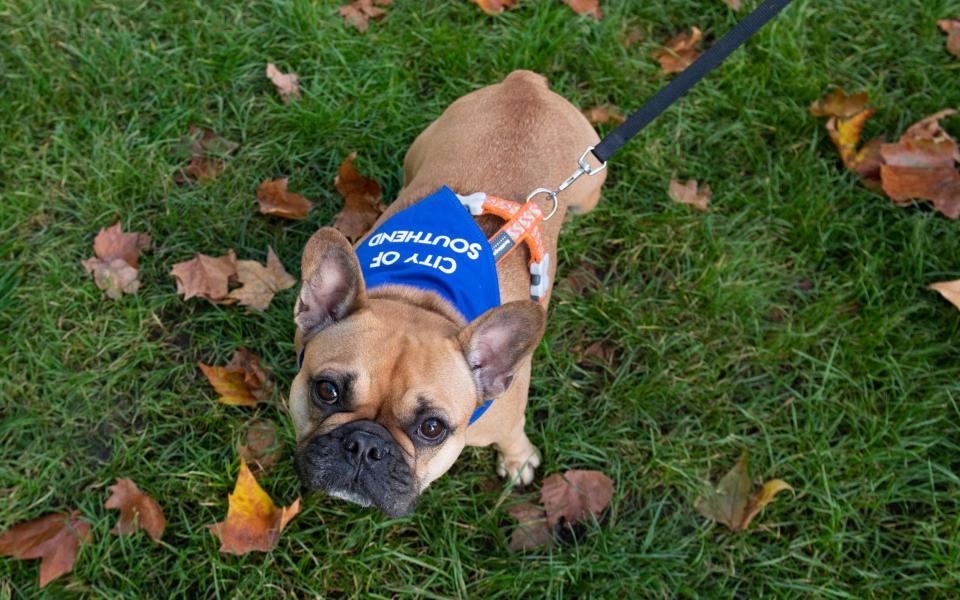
(364, 447)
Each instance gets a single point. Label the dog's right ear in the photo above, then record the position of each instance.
(332, 285)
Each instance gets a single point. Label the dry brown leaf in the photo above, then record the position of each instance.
(359, 12)
(600, 352)
(206, 277)
(601, 115)
(734, 4)
(241, 382)
(287, 84)
(260, 448)
(275, 200)
(137, 511)
(206, 149)
(361, 201)
(113, 275)
(687, 193)
(949, 290)
(55, 539)
(253, 522)
(951, 27)
(260, 283)
(532, 530)
(256, 378)
(494, 7)
(733, 502)
(930, 127)
(586, 7)
(574, 494)
(837, 103)
(848, 115)
(115, 268)
(678, 52)
(581, 280)
(633, 36)
(112, 242)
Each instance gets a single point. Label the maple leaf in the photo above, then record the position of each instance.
(687, 193)
(838, 104)
(601, 115)
(260, 448)
(734, 502)
(253, 522)
(586, 7)
(532, 530)
(115, 267)
(206, 277)
(260, 283)
(678, 52)
(848, 115)
(359, 12)
(112, 242)
(206, 149)
(574, 494)
(275, 200)
(113, 275)
(920, 165)
(951, 27)
(287, 84)
(241, 382)
(949, 290)
(55, 539)
(361, 201)
(494, 7)
(137, 510)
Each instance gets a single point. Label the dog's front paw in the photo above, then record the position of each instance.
(519, 472)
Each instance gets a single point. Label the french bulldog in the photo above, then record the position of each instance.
(397, 376)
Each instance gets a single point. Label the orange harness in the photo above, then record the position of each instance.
(522, 226)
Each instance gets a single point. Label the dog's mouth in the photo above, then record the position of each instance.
(361, 464)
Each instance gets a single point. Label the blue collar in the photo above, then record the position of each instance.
(434, 245)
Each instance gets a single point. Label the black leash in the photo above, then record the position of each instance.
(653, 107)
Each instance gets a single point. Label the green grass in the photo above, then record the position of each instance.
(791, 321)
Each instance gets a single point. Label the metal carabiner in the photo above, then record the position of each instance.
(583, 168)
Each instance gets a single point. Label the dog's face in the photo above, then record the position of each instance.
(388, 384)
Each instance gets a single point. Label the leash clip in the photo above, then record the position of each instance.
(584, 168)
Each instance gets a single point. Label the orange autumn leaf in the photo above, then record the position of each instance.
(602, 115)
(848, 115)
(950, 290)
(678, 52)
(260, 283)
(287, 84)
(361, 201)
(574, 495)
(838, 104)
(494, 7)
(586, 7)
(256, 378)
(274, 199)
(253, 522)
(359, 12)
(206, 277)
(733, 501)
(137, 510)
(687, 193)
(115, 266)
(230, 384)
(951, 27)
(55, 539)
(112, 242)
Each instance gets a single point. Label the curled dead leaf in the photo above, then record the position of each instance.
(949, 290)
(115, 268)
(287, 84)
(112, 242)
(256, 378)
(361, 201)
(54, 538)
(733, 502)
(678, 52)
(532, 530)
(687, 193)
(359, 12)
(241, 382)
(253, 522)
(274, 199)
(575, 494)
(837, 103)
(951, 27)
(848, 115)
(137, 510)
(586, 7)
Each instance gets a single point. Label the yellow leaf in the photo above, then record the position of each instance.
(763, 497)
(728, 501)
(230, 384)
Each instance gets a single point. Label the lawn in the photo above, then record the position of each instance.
(791, 321)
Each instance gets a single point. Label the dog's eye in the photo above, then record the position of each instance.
(432, 430)
(325, 392)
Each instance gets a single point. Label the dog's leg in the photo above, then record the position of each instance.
(518, 458)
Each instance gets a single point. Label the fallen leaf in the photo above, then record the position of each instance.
(287, 84)
(253, 522)
(733, 502)
(930, 127)
(275, 200)
(574, 494)
(359, 12)
(113, 275)
(260, 448)
(600, 352)
(687, 193)
(601, 115)
(633, 36)
(112, 242)
(678, 52)
(256, 378)
(581, 279)
(949, 290)
(55, 539)
(532, 530)
(137, 511)
(848, 115)
(230, 384)
(361, 201)
(586, 7)
(734, 4)
(837, 103)
(206, 277)
(206, 149)
(260, 283)
(494, 7)
(951, 27)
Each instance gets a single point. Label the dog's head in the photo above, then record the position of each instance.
(389, 381)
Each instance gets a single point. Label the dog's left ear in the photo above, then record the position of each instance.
(498, 340)
(332, 285)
